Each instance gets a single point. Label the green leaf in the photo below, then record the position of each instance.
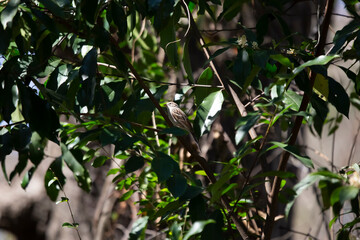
(207, 112)
(282, 60)
(295, 152)
(299, 188)
(70, 225)
(138, 228)
(54, 179)
(206, 78)
(197, 228)
(293, 100)
(187, 62)
(63, 199)
(80, 173)
(343, 194)
(215, 54)
(244, 124)
(177, 185)
(27, 177)
(8, 14)
(99, 161)
(175, 231)
(134, 163)
(250, 78)
(126, 195)
(169, 208)
(36, 148)
(321, 60)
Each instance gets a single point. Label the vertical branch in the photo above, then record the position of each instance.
(269, 223)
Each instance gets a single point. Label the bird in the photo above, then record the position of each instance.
(179, 118)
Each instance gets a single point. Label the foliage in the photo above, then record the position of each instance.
(86, 74)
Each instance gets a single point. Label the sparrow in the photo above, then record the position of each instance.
(179, 118)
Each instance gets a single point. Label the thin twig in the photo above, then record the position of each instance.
(74, 223)
(12, 124)
(333, 147)
(154, 126)
(301, 233)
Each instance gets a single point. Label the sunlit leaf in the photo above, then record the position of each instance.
(295, 152)
(9, 12)
(138, 228)
(321, 60)
(197, 228)
(207, 112)
(343, 194)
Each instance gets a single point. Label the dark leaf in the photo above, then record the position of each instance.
(213, 231)
(119, 18)
(242, 67)
(262, 26)
(134, 163)
(177, 185)
(197, 209)
(191, 192)
(338, 97)
(295, 152)
(321, 110)
(38, 113)
(244, 124)
(164, 166)
(89, 9)
(87, 73)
